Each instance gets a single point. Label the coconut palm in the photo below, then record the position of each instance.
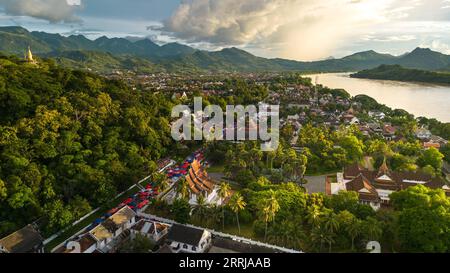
(237, 204)
(314, 216)
(320, 236)
(331, 222)
(269, 209)
(286, 234)
(213, 216)
(354, 229)
(372, 229)
(201, 208)
(224, 192)
(183, 188)
(331, 225)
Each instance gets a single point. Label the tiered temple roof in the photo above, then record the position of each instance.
(386, 179)
(198, 179)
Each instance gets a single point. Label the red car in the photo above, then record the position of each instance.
(144, 195)
(142, 204)
(128, 201)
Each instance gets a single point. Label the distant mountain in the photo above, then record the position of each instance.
(16, 39)
(178, 57)
(102, 62)
(399, 73)
(424, 58)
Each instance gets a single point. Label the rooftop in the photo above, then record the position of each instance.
(22, 241)
(184, 234)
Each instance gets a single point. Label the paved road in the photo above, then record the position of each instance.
(315, 184)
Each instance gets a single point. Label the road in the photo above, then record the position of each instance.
(315, 184)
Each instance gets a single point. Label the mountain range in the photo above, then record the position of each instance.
(104, 54)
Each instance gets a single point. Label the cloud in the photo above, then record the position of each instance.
(54, 11)
(437, 45)
(393, 38)
(292, 28)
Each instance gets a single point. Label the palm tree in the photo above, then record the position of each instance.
(285, 235)
(161, 181)
(331, 222)
(183, 188)
(213, 216)
(320, 236)
(224, 192)
(314, 215)
(201, 208)
(354, 230)
(331, 226)
(270, 156)
(269, 210)
(372, 229)
(237, 204)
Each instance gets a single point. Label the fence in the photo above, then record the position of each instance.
(220, 234)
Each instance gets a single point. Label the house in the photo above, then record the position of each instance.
(293, 118)
(186, 239)
(438, 139)
(446, 170)
(431, 144)
(299, 106)
(152, 230)
(85, 244)
(389, 132)
(178, 96)
(375, 128)
(375, 187)
(104, 236)
(423, 134)
(25, 240)
(354, 121)
(377, 115)
(112, 227)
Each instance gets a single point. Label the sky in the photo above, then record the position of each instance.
(292, 29)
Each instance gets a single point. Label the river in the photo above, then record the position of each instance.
(427, 100)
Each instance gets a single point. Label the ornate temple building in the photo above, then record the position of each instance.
(375, 187)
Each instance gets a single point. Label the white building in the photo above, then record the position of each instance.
(184, 239)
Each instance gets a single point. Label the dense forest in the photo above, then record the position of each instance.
(70, 141)
(399, 73)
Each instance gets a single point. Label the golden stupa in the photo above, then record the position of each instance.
(29, 56)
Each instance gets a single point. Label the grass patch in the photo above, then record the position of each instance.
(216, 168)
(246, 231)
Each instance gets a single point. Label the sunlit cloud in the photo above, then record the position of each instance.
(298, 29)
(51, 10)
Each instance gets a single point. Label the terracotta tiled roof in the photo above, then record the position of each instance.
(352, 170)
(86, 242)
(385, 179)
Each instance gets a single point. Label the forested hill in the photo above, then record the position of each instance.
(105, 54)
(70, 141)
(399, 73)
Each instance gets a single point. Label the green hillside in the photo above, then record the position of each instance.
(399, 73)
(70, 141)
